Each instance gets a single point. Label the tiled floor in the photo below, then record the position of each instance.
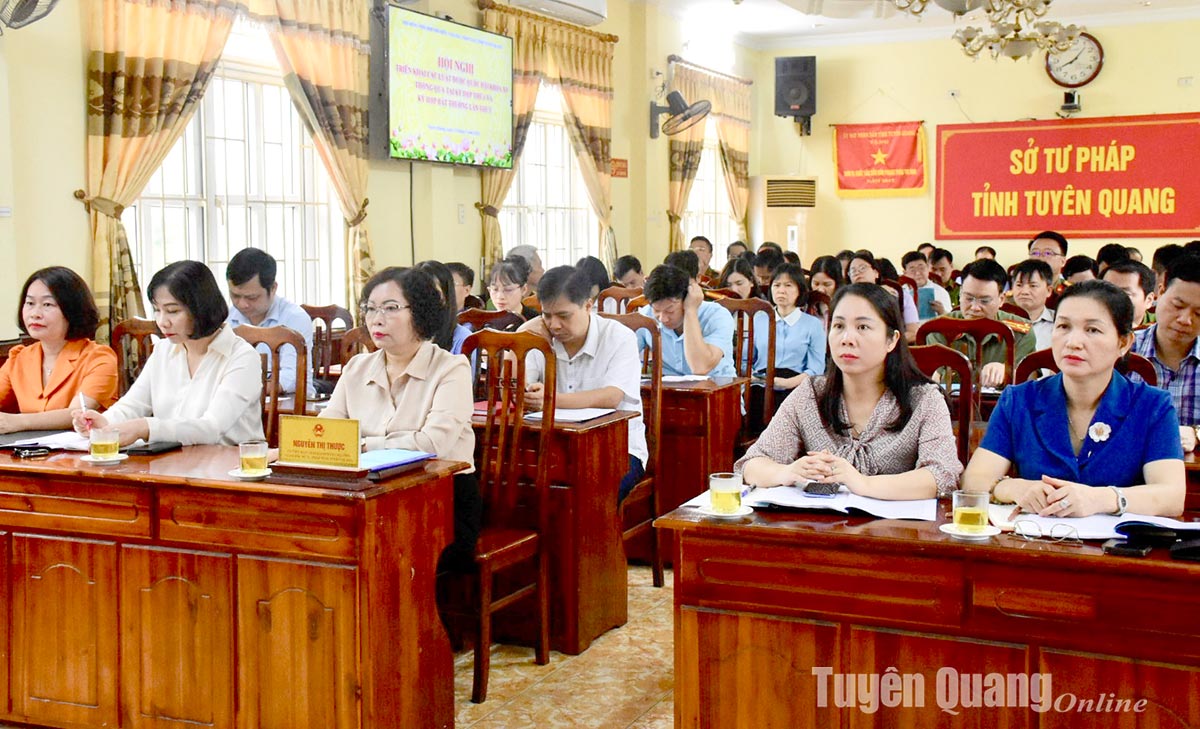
(624, 680)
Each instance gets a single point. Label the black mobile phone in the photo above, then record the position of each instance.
(822, 489)
(1122, 548)
(155, 446)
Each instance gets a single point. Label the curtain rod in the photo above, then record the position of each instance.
(492, 5)
(680, 59)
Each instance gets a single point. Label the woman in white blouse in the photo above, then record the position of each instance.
(410, 393)
(202, 384)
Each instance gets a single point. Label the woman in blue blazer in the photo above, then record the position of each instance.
(1087, 440)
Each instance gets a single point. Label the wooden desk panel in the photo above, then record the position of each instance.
(761, 602)
(226, 605)
(588, 581)
(700, 423)
(1192, 467)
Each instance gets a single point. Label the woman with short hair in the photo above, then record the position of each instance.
(40, 384)
(411, 394)
(202, 384)
(1087, 440)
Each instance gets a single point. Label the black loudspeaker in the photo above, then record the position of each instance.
(796, 86)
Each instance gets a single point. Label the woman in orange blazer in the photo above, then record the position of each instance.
(42, 383)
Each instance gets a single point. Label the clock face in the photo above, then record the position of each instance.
(1077, 65)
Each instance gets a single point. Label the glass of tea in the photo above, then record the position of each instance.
(104, 444)
(254, 457)
(970, 512)
(725, 491)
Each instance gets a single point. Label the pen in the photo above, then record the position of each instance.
(83, 409)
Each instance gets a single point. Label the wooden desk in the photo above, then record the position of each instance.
(588, 579)
(161, 593)
(762, 601)
(700, 423)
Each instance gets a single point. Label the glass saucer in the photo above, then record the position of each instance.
(104, 461)
(743, 510)
(243, 476)
(988, 531)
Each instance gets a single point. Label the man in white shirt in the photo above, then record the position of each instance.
(597, 363)
(932, 300)
(1031, 289)
(252, 290)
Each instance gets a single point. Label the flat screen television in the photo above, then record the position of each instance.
(449, 91)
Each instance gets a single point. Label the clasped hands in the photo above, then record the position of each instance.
(1059, 498)
(824, 467)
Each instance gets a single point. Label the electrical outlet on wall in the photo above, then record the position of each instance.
(462, 214)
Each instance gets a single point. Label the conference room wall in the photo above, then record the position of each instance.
(911, 81)
(8, 274)
(42, 142)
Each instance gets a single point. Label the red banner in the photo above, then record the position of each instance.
(875, 160)
(1113, 177)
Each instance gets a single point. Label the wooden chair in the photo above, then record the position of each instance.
(745, 311)
(506, 539)
(952, 329)
(131, 339)
(933, 357)
(1043, 359)
(619, 294)
(636, 303)
(641, 506)
(1013, 309)
(718, 294)
(479, 319)
(323, 350)
(909, 284)
(818, 306)
(353, 342)
(473, 302)
(276, 338)
(532, 302)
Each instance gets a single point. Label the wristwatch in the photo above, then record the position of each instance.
(1122, 502)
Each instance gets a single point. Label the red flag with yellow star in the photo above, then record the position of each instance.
(877, 160)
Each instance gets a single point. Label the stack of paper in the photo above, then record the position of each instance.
(1097, 526)
(577, 415)
(793, 497)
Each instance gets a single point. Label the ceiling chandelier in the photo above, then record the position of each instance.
(1016, 31)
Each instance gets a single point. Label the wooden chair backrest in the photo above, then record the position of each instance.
(744, 312)
(532, 302)
(479, 319)
(818, 306)
(619, 294)
(1043, 359)
(652, 368)
(894, 286)
(1013, 309)
(933, 357)
(502, 441)
(718, 294)
(353, 342)
(910, 285)
(473, 302)
(636, 303)
(132, 341)
(276, 338)
(323, 319)
(952, 329)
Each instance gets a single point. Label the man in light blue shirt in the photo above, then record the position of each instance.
(252, 290)
(697, 335)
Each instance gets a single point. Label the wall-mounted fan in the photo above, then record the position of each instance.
(19, 13)
(682, 115)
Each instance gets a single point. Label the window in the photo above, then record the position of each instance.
(708, 212)
(547, 206)
(244, 173)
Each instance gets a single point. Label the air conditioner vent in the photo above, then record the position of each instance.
(791, 193)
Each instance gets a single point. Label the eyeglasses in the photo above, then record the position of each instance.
(1031, 531)
(969, 300)
(504, 289)
(388, 310)
(855, 270)
(1044, 254)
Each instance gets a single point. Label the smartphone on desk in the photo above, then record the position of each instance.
(156, 446)
(822, 490)
(1123, 548)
